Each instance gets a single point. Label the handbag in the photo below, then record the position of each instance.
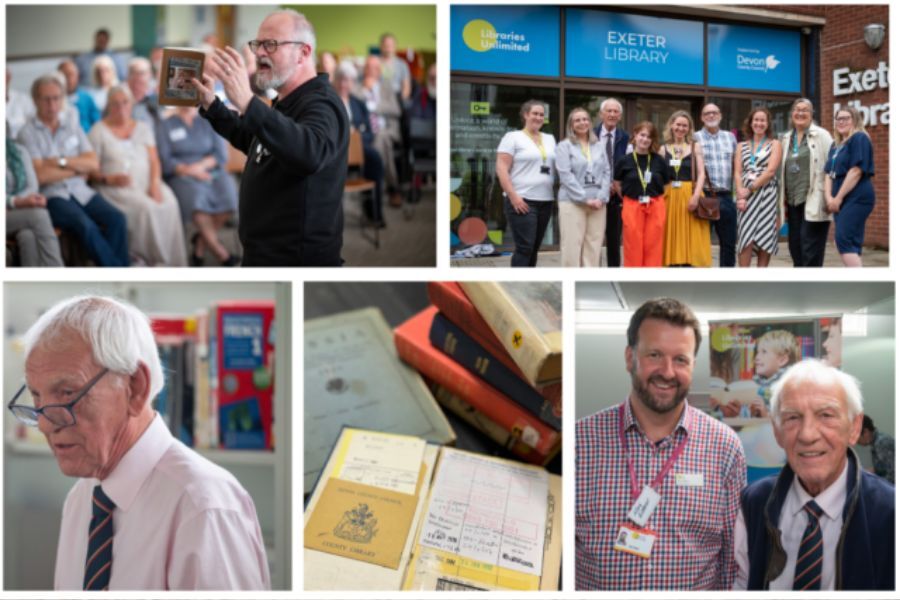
(707, 206)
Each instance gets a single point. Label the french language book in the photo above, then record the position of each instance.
(527, 319)
(353, 377)
(414, 346)
(393, 512)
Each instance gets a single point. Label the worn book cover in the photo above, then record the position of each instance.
(353, 377)
(527, 319)
(179, 66)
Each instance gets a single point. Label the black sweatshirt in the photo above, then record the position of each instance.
(291, 211)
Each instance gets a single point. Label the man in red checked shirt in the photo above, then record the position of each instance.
(657, 481)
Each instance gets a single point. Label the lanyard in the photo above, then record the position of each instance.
(795, 145)
(644, 183)
(586, 152)
(676, 152)
(755, 152)
(539, 143)
(632, 476)
(834, 156)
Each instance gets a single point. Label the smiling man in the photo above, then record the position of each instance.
(658, 470)
(146, 513)
(292, 185)
(823, 523)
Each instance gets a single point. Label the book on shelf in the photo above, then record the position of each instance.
(527, 319)
(414, 346)
(354, 377)
(393, 512)
(244, 372)
(456, 344)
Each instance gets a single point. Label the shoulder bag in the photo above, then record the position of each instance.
(707, 206)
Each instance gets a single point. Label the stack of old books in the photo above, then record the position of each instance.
(493, 355)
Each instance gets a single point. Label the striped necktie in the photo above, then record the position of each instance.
(808, 572)
(609, 151)
(98, 565)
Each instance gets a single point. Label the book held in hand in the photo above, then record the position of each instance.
(179, 66)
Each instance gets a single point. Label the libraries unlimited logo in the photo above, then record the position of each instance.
(480, 36)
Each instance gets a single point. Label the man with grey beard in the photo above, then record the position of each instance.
(657, 470)
(290, 198)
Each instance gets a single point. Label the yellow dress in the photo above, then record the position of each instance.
(687, 237)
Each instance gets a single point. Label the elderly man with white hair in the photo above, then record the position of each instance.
(823, 523)
(146, 513)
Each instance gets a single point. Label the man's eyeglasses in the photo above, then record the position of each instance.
(271, 46)
(60, 415)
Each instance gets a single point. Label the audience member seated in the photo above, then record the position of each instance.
(63, 157)
(19, 107)
(79, 99)
(327, 65)
(373, 169)
(156, 62)
(423, 105)
(85, 61)
(130, 178)
(104, 77)
(140, 83)
(394, 70)
(384, 112)
(27, 219)
(193, 161)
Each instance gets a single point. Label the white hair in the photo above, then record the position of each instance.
(303, 29)
(815, 371)
(139, 63)
(118, 333)
(346, 70)
(103, 59)
(608, 101)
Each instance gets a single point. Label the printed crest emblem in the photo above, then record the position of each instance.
(357, 525)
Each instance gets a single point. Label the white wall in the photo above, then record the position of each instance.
(65, 29)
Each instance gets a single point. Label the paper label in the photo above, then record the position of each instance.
(689, 479)
(361, 522)
(391, 462)
(644, 506)
(176, 135)
(488, 511)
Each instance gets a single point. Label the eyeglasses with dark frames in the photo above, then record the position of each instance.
(271, 46)
(61, 415)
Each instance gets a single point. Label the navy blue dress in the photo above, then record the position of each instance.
(850, 221)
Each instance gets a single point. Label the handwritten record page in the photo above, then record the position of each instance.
(390, 462)
(490, 511)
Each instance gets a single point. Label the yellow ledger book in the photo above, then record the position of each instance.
(392, 512)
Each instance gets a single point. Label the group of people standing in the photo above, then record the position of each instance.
(644, 192)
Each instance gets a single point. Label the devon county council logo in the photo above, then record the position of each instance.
(749, 60)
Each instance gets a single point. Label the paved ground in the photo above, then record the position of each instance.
(871, 258)
(407, 241)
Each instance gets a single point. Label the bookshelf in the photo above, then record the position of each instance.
(34, 489)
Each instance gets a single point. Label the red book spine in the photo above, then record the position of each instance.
(414, 347)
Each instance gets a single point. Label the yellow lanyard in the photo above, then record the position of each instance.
(644, 183)
(539, 143)
(586, 152)
(677, 153)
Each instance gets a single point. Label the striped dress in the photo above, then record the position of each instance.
(758, 223)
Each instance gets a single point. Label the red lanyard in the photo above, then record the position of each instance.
(635, 488)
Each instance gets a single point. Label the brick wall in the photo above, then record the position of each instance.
(842, 45)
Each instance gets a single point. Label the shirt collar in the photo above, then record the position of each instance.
(128, 477)
(606, 131)
(831, 500)
(684, 423)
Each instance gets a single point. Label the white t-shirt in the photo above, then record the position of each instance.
(525, 173)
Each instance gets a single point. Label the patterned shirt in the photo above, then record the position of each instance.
(693, 523)
(718, 156)
(68, 140)
(883, 455)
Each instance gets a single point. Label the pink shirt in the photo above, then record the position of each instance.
(180, 523)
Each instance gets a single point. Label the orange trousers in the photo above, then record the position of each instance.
(643, 231)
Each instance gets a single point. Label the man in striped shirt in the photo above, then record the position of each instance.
(658, 470)
(718, 156)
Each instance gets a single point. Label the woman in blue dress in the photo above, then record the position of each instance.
(849, 192)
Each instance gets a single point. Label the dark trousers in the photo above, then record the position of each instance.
(806, 239)
(528, 230)
(373, 169)
(726, 229)
(614, 232)
(98, 225)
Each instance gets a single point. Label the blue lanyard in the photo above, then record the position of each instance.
(796, 146)
(755, 152)
(834, 156)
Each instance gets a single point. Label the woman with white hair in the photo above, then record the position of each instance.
(103, 77)
(130, 177)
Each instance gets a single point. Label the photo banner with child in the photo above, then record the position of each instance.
(747, 357)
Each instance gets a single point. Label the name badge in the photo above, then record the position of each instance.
(545, 169)
(794, 168)
(676, 184)
(689, 479)
(647, 174)
(644, 506)
(71, 143)
(674, 162)
(176, 135)
(644, 199)
(589, 179)
(634, 541)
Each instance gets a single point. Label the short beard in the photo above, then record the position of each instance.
(647, 399)
(273, 83)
